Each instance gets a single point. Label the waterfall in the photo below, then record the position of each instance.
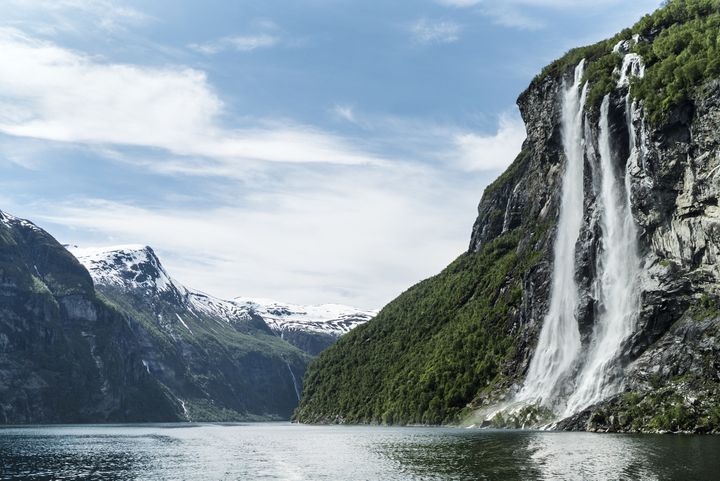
(616, 287)
(559, 342)
(565, 375)
(298, 392)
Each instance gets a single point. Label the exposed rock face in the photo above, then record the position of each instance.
(528, 194)
(65, 356)
(671, 360)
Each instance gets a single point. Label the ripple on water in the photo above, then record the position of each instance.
(280, 451)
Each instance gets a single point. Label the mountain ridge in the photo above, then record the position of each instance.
(136, 267)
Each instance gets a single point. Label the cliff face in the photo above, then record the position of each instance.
(673, 360)
(65, 356)
(670, 364)
(463, 341)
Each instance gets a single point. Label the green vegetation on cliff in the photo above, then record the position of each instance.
(429, 353)
(680, 45)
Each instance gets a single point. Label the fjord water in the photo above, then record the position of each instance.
(296, 452)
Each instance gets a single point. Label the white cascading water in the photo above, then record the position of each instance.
(559, 342)
(616, 289)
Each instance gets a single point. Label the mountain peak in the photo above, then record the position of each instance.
(133, 266)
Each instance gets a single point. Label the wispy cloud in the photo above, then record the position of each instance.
(238, 43)
(429, 32)
(57, 94)
(66, 15)
(476, 152)
(347, 235)
(345, 112)
(524, 14)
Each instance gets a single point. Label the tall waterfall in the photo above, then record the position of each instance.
(618, 267)
(564, 375)
(559, 343)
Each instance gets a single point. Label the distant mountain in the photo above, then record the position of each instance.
(218, 358)
(136, 269)
(107, 335)
(311, 328)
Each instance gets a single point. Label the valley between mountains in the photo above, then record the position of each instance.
(588, 298)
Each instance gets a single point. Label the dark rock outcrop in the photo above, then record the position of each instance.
(65, 355)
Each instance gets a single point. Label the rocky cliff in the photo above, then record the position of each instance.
(459, 346)
(65, 355)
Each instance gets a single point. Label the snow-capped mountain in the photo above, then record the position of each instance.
(137, 268)
(298, 323)
(327, 318)
(218, 358)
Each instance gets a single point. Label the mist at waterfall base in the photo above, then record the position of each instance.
(567, 375)
(281, 451)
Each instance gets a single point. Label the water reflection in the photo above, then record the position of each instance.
(291, 452)
(517, 455)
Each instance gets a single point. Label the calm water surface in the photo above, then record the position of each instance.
(293, 452)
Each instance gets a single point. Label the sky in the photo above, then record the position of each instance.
(314, 151)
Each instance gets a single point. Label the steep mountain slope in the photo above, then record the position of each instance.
(65, 355)
(219, 358)
(641, 115)
(310, 328)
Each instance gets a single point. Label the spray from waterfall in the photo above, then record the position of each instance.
(559, 342)
(618, 267)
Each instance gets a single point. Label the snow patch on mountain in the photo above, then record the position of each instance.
(128, 266)
(333, 319)
(137, 268)
(11, 221)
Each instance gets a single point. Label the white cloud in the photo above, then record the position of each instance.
(57, 94)
(239, 43)
(357, 237)
(350, 234)
(425, 31)
(491, 152)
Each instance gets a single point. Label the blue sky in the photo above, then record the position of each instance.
(308, 151)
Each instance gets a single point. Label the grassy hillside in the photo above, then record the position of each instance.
(429, 352)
